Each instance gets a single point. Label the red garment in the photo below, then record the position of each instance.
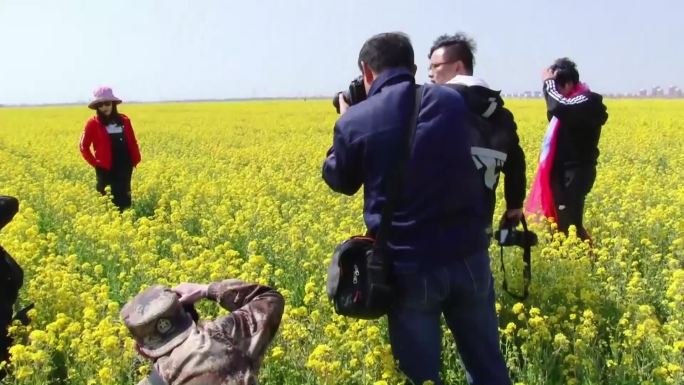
(95, 134)
(540, 198)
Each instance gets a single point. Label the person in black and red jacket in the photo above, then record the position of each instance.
(116, 149)
(581, 113)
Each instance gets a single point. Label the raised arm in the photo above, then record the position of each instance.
(255, 309)
(557, 104)
(514, 169)
(342, 169)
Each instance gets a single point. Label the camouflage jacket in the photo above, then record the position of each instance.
(229, 349)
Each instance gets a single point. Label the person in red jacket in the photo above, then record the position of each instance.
(111, 136)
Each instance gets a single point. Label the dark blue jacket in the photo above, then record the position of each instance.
(441, 214)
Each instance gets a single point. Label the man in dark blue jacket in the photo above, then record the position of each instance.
(438, 241)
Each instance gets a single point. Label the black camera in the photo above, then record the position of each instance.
(355, 94)
(510, 236)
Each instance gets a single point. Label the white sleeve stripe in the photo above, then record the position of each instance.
(551, 89)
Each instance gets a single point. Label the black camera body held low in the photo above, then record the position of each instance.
(355, 94)
(510, 236)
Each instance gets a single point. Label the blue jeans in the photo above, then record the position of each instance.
(464, 292)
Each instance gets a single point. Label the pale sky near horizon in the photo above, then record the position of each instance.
(151, 50)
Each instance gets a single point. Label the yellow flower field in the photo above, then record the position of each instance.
(234, 190)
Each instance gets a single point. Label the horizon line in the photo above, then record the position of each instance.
(275, 98)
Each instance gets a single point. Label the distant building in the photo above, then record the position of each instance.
(672, 91)
(657, 92)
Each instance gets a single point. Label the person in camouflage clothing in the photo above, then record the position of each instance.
(227, 350)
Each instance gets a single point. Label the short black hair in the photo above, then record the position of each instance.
(566, 71)
(456, 47)
(387, 50)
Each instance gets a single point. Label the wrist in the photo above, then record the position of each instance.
(212, 291)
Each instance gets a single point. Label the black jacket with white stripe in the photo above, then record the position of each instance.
(581, 118)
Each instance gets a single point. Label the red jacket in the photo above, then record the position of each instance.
(95, 134)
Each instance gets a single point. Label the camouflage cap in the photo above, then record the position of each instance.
(157, 320)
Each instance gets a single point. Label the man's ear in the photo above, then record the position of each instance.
(460, 68)
(368, 75)
(415, 68)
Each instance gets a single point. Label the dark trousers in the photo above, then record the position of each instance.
(120, 181)
(570, 187)
(464, 293)
(5, 340)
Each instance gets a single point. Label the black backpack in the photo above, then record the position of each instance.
(491, 128)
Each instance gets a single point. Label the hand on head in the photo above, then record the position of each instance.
(548, 73)
(191, 292)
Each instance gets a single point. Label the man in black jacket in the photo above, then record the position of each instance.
(581, 113)
(494, 137)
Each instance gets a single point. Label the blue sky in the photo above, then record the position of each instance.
(148, 50)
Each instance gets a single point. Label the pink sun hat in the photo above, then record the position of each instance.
(103, 94)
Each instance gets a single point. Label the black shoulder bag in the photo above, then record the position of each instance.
(359, 273)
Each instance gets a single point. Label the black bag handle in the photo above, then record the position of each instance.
(527, 269)
(379, 256)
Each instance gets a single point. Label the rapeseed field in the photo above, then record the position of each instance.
(233, 190)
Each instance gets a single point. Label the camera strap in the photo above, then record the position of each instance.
(527, 269)
(394, 183)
